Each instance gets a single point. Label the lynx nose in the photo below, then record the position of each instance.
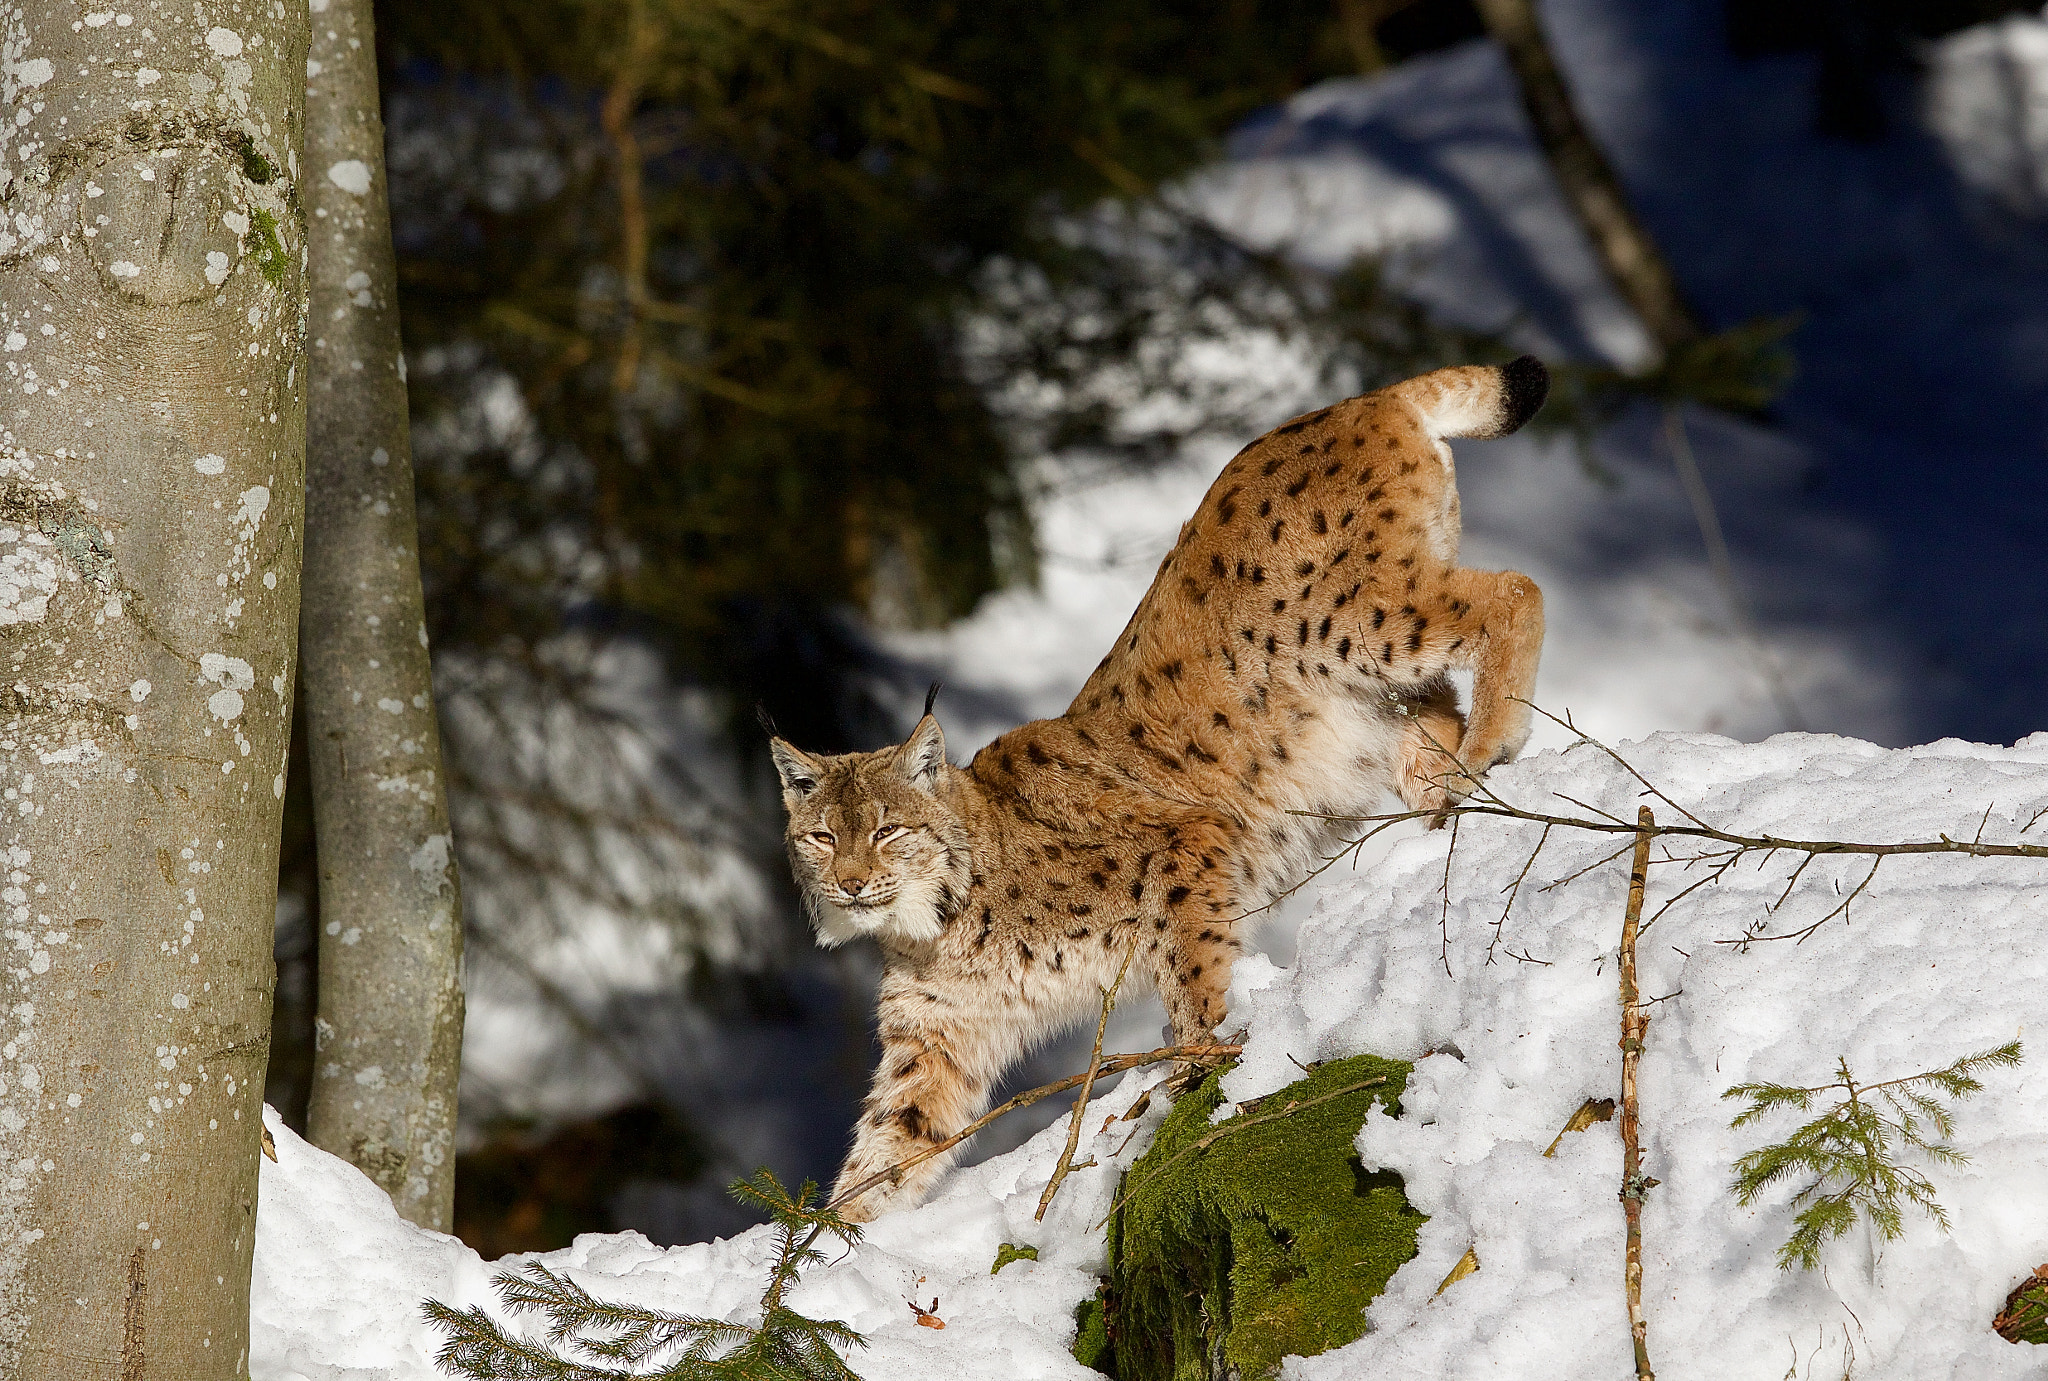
(852, 886)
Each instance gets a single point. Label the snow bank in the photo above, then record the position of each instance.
(340, 1277)
(1937, 958)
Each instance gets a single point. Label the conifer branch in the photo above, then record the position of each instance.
(1850, 1152)
(784, 1346)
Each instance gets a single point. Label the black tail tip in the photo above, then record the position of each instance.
(1524, 384)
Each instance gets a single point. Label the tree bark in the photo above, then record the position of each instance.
(1631, 257)
(390, 1007)
(152, 320)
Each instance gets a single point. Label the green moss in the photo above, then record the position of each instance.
(256, 167)
(269, 252)
(1009, 1252)
(1268, 1243)
(1091, 1336)
(2025, 1316)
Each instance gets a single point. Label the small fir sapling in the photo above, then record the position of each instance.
(784, 1346)
(1851, 1150)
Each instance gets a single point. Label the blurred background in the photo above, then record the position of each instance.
(807, 353)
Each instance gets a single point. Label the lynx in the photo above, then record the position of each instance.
(1291, 655)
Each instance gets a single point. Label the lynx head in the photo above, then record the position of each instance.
(874, 842)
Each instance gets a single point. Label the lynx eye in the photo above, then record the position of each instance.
(889, 832)
(823, 837)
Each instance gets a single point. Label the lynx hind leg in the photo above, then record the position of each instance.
(1502, 628)
(1428, 773)
(927, 1088)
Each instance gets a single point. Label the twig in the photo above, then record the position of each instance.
(1443, 922)
(1800, 936)
(1115, 1064)
(1719, 871)
(1626, 765)
(1709, 521)
(1052, 1186)
(1515, 890)
(1351, 848)
(1579, 873)
(1634, 1027)
(1203, 1143)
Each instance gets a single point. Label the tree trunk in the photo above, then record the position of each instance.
(1595, 195)
(390, 1013)
(152, 322)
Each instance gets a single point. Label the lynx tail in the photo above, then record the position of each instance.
(1482, 401)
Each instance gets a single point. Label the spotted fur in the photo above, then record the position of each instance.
(1293, 654)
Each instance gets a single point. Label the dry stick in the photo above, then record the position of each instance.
(1052, 1186)
(1444, 917)
(1754, 843)
(1234, 1125)
(1115, 1064)
(1634, 1026)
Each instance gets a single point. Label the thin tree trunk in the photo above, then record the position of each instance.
(1630, 256)
(390, 1013)
(152, 319)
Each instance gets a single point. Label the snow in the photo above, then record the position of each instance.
(339, 1277)
(1920, 971)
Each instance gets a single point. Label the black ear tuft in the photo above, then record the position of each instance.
(1524, 384)
(765, 720)
(931, 697)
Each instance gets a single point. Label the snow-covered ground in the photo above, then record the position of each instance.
(1512, 1024)
(1887, 527)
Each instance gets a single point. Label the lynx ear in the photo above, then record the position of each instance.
(798, 771)
(921, 757)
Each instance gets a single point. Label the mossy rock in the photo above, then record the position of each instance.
(1267, 1243)
(2025, 1316)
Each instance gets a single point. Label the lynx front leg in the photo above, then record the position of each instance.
(1192, 970)
(1502, 627)
(1428, 771)
(933, 1080)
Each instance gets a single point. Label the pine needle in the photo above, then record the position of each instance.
(1849, 1155)
(583, 1332)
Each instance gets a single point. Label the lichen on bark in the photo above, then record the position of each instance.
(389, 1030)
(150, 483)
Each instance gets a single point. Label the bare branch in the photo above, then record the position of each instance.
(1635, 1028)
(1514, 890)
(1052, 1186)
